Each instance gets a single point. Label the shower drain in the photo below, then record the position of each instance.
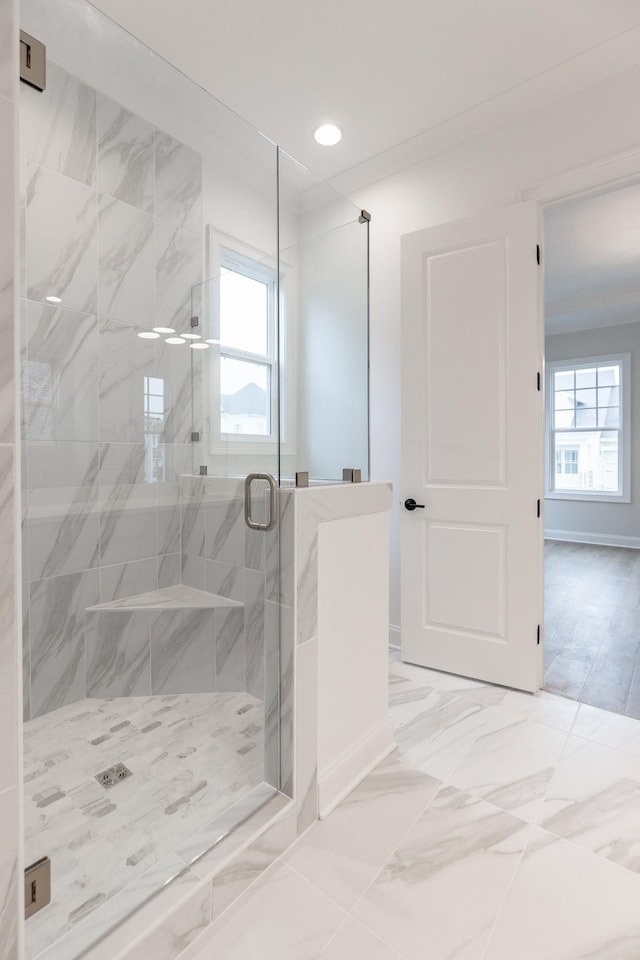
(116, 773)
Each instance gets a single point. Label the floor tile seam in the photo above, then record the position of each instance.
(539, 800)
(525, 824)
(477, 735)
(605, 746)
(633, 673)
(597, 857)
(333, 937)
(363, 926)
(429, 690)
(508, 890)
(262, 879)
(377, 873)
(478, 703)
(309, 883)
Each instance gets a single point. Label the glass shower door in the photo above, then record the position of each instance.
(234, 491)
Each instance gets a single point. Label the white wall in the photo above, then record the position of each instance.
(487, 172)
(603, 519)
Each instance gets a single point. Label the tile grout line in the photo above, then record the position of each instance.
(509, 888)
(349, 914)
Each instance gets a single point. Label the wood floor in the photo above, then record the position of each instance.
(592, 625)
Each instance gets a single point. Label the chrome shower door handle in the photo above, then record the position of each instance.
(273, 516)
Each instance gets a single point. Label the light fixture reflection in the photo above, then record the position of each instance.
(163, 330)
(199, 346)
(191, 336)
(212, 341)
(148, 335)
(54, 299)
(327, 134)
(175, 340)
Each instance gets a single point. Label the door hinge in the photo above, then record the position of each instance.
(538, 508)
(538, 254)
(37, 886)
(33, 61)
(538, 633)
(539, 381)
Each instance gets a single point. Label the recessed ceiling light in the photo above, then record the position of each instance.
(175, 340)
(191, 336)
(164, 330)
(148, 335)
(327, 134)
(54, 299)
(199, 346)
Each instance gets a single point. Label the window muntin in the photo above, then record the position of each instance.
(586, 429)
(247, 305)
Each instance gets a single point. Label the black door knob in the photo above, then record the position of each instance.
(410, 504)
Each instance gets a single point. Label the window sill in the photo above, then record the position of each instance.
(593, 497)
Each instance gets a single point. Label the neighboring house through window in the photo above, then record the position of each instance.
(588, 428)
(248, 290)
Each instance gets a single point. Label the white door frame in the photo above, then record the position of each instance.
(616, 170)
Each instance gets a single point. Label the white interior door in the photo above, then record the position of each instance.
(471, 420)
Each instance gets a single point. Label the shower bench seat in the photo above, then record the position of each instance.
(173, 640)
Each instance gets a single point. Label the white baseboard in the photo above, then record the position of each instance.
(600, 539)
(394, 636)
(335, 783)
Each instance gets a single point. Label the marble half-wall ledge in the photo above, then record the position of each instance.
(316, 505)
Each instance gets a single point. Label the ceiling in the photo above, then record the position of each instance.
(592, 261)
(404, 78)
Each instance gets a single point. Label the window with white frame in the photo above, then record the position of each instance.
(588, 428)
(247, 379)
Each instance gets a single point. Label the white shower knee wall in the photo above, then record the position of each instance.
(354, 729)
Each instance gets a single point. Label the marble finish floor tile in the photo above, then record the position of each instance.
(466, 879)
(355, 942)
(543, 707)
(512, 766)
(191, 756)
(593, 799)
(607, 728)
(434, 729)
(566, 904)
(284, 918)
(342, 854)
(446, 881)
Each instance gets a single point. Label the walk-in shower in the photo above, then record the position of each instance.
(194, 311)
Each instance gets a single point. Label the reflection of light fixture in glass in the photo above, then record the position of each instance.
(191, 336)
(148, 335)
(327, 134)
(175, 340)
(54, 299)
(212, 341)
(163, 330)
(199, 346)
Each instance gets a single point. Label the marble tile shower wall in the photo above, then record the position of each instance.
(112, 225)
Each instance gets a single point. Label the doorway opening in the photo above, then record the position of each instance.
(592, 474)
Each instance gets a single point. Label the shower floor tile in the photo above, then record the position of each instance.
(190, 755)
